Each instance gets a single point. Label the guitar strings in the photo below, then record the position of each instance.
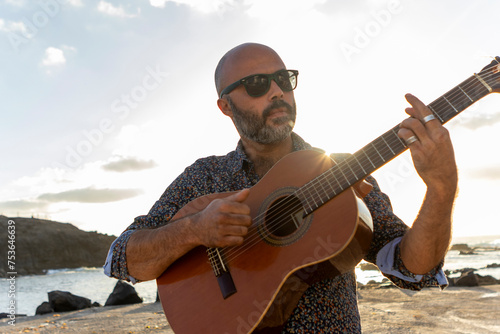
(285, 208)
(316, 180)
(254, 238)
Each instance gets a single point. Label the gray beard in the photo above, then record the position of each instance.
(254, 127)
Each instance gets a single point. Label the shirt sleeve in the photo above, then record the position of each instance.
(179, 193)
(384, 249)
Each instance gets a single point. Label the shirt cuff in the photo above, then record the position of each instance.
(385, 262)
(109, 261)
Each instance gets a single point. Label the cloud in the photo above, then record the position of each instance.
(53, 57)
(75, 3)
(486, 173)
(129, 164)
(200, 5)
(90, 195)
(12, 26)
(23, 206)
(16, 3)
(109, 9)
(478, 120)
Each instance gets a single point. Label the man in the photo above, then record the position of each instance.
(263, 110)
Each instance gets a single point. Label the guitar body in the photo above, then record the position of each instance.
(189, 290)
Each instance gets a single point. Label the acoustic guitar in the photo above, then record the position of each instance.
(306, 211)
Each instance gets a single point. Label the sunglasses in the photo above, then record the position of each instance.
(258, 84)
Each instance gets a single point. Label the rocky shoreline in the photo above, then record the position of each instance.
(454, 310)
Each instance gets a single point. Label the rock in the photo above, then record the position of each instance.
(486, 280)
(460, 247)
(367, 266)
(4, 315)
(469, 279)
(385, 284)
(493, 265)
(96, 304)
(464, 271)
(123, 294)
(63, 301)
(467, 252)
(44, 244)
(44, 308)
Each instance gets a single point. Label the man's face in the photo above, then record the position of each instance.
(266, 119)
(272, 126)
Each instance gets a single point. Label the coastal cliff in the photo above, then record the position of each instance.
(43, 244)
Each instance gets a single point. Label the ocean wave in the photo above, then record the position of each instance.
(70, 270)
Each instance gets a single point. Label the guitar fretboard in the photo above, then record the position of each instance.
(389, 145)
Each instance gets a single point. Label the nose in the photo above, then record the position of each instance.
(275, 92)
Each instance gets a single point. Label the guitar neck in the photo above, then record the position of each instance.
(389, 145)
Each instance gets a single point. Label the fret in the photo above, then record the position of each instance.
(330, 184)
(435, 113)
(474, 88)
(319, 195)
(345, 177)
(304, 198)
(369, 159)
(399, 138)
(444, 97)
(347, 162)
(483, 82)
(374, 144)
(322, 182)
(457, 99)
(360, 165)
(387, 144)
(465, 93)
(331, 170)
(338, 176)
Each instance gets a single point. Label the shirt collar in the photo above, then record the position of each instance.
(241, 160)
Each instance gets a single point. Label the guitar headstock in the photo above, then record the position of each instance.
(491, 75)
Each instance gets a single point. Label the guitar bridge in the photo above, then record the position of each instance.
(221, 272)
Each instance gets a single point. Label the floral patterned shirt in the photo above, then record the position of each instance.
(328, 306)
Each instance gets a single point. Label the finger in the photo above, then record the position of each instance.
(415, 127)
(234, 230)
(408, 136)
(420, 111)
(419, 108)
(232, 240)
(240, 196)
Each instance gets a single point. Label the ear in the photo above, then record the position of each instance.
(224, 107)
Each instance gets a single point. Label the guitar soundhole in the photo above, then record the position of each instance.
(284, 216)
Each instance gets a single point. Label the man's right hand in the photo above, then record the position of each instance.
(224, 222)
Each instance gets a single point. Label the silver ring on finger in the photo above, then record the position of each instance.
(411, 140)
(428, 118)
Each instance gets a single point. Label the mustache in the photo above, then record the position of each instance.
(276, 105)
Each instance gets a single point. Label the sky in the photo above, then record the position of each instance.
(104, 103)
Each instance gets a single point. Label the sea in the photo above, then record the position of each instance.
(31, 291)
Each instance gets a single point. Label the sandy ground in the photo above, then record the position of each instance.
(454, 310)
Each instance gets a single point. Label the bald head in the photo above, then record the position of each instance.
(243, 60)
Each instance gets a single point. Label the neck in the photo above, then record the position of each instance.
(264, 156)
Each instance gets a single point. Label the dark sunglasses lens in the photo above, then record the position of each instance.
(257, 85)
(286, 80)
